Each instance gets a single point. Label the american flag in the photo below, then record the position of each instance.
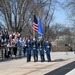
(35, 24)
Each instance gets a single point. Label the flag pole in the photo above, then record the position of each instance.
(33, 29)
(33, 33)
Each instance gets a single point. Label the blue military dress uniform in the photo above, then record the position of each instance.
(28, 49)
(41, 48)
(48, 49)
(35, 52)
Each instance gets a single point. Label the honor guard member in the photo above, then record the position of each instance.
(31, 40)
(48, 49)
(35, 52)
(41, 48)
(24, 47)
(28, 43)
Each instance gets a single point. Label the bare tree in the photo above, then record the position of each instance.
(69, 6)
(48, 17)
(16, 13)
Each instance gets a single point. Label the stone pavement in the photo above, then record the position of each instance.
(21, 67)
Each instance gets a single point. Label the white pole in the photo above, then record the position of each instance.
(33, 33)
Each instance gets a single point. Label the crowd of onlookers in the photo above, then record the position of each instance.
(10, 42)
(15, 44)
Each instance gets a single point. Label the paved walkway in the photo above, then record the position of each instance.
(21, 67)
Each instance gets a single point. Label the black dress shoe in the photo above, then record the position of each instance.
(49, 60)
(42, 61)
(27, 61)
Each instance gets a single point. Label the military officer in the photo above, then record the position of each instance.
(48, 49)
(24, 47)
(35, 52)
(41, 48)
(28, 43)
